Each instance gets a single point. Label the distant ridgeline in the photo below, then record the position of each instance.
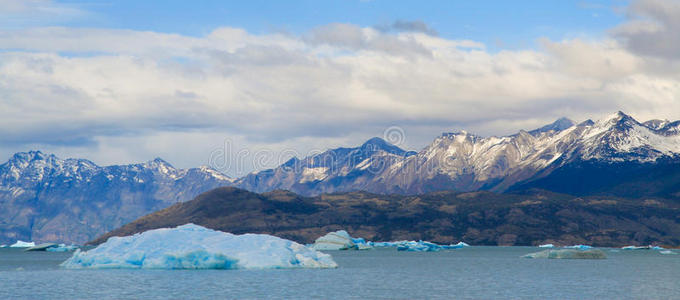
(479, 218)
(45, 199)
(616, 156)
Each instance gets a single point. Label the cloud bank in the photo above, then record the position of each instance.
(121, 95)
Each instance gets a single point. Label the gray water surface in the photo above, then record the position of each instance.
(475, 273)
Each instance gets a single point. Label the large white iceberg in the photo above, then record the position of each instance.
(194, 247)
(22, 244)
(568, 254)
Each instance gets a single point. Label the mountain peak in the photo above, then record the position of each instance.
(559, 125)
(656, 124)
(376, 144)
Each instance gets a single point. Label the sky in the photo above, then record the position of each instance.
(122, 82)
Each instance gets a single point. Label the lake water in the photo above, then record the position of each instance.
(475, 273)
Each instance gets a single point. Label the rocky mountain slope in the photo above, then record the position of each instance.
(479, 218)
(466, 162)
(47, 199)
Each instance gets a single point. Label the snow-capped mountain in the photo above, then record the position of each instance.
(466, 162)
(44, 198)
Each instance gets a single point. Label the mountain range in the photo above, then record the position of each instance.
(562, 156)
(44, 198)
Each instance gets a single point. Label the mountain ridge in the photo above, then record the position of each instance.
(467, 162)
(47, 199)
(527, 218)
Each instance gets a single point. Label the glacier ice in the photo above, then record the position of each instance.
(194, 247)
(62, 248)
(419, 246)
(579, 247)
(3, 246)
(22, 244)
(547, 246)
(568, 254)
(338, 240)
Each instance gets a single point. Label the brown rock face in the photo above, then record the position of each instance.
(479, 218)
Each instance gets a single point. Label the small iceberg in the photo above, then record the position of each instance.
(568, 254)
(546, 246)
(194, 247)
(419, 246)
(636, 248)
(3, 246)
(41, 247)
(579, 247)
(62, 248)
(338, 240)
(51, 247)
(650, 247)
(667, 252)
(22, 244)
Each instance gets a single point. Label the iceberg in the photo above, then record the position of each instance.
(667, 252)
(338, 240)
(580, 247)
(546, 246)
(456, 246)
(636, 248)
(568, 254)
(419, 246)
(62, 248)
(3, 246)
(22, 244)
(194, 247)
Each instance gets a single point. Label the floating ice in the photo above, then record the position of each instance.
(338, 240)
(580, 247)
(568, 254)
(3, 246)
(547, 246)
(194, 247)
(419, 246)
(667, 252)
(22, 244)
(62, 248)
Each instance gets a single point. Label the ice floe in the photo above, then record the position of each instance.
(194, 247)
(546, 246)
(22, 244)
(419, 246)
(568, 254)
(62, 248)
(580, 247)
(338, 240)
(667, 252)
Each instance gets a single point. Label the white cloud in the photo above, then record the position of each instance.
(20, 13)
(122, 95)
